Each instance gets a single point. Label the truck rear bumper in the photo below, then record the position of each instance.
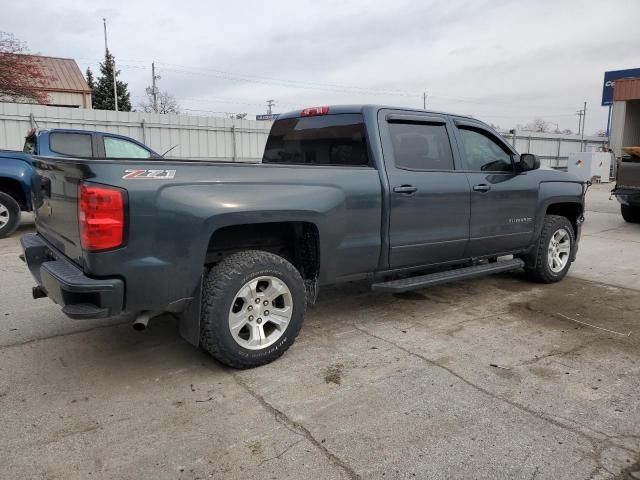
(627, 195)
(81, 297)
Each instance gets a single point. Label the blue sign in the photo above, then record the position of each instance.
(268, 116)
(609, 82)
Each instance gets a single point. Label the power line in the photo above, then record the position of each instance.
(231, 76)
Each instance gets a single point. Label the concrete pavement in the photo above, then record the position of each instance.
(377, 386)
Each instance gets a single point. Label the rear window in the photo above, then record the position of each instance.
(321, 140)
(72, 144)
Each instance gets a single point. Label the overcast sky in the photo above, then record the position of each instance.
(505, 62)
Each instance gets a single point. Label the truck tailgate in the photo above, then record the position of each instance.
(55, 202)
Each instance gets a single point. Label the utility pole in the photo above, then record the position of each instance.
(153, 89)
(579, 113)
(584, 120)
(270, 104)
(113, 64)
(424, 100)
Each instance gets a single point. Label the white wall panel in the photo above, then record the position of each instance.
(212, 138)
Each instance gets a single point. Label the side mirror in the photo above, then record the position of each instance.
(528, 161)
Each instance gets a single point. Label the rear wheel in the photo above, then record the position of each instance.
(630, 214)
(9, 215)
(253, 307)
(554, 251)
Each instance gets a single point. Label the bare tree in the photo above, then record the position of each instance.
(538, 125)
(22, 76)
(166, 104)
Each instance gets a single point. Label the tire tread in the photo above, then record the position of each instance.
(14, 209)
(216, 281)
(539, 272)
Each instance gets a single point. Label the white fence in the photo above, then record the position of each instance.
(194, 137)
(221, 138)
(553, 149)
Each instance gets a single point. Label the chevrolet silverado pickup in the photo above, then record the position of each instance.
(15, 167)
(401, 198)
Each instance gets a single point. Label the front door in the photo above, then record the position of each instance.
(503, 201)
(429, 200)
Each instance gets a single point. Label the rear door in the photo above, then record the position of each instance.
(429, 198)
(503, 201)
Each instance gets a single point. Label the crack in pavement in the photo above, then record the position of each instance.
(297, 428)
(597, 445)
(557, 353)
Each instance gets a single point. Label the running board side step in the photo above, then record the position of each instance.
(422, 281)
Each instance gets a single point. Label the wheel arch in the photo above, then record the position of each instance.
(297, 241)
(573, 211)
(569, 207)
(13, 187)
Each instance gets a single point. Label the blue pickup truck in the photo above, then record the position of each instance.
(15, 167)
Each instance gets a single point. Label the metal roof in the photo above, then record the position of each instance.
(627, 89)
(64, 75)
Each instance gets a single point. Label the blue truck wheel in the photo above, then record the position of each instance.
(9, 215)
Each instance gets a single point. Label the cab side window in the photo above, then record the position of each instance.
(71, 144)
(482, 153)
(120, 148)
(421, 146)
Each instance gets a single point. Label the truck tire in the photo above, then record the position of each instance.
(9, 215)
(554, 250)
(253, 305)
(630, 214)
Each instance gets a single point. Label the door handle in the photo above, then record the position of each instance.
(408, 189)
(481, 188)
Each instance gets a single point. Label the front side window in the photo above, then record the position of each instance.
(320, 140)
(483, 154)
(121, 148)
(421, 146)
(72, 144)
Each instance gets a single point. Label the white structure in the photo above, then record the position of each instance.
(212, 138)
(586, 165)
(198, 138)
(553, 149)
(625, 125)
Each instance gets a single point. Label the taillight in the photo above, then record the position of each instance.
(101, 217)
(314, 111)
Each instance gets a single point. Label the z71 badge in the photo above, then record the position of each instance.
(149, 174)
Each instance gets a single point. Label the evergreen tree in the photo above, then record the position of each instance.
(103, 91)
(90, 80)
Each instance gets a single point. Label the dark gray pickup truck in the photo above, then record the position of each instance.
(402, 198)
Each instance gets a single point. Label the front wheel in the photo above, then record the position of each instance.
(253, 305)
(9, 215)
(630, 214)
(554, 251)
